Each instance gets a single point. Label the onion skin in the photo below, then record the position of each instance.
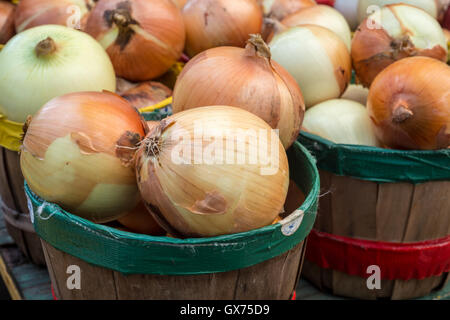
(6, 21)
(78, 153)
(201, 200)
(33, 13)
(216, 23)
(74, 62)
(313, 50)
(324, 16)
(279, 9)
(244, 78)
(180, 3)
(139, 220)
(143, 38)
(147, 94)
(373, 49)
(409, 104)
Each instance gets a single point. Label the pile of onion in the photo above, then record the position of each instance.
(317, 59)
(6, 21)
(146, 94)
(201, 173)
(245, 78)
(409, 104)
(394, 33)
(324, 16)
(143, 38)
(78, 152)
(215, 23)
(47, 61)
(69, 13)
(341, 121)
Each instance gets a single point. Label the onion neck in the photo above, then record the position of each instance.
(257, 46)
(401, 113)
(121, 18)
(45, 47)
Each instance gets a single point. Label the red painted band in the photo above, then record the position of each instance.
(403, 261)
(327, 2)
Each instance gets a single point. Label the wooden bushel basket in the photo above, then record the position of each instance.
(397, 214)
(262, 264)
(13, 206)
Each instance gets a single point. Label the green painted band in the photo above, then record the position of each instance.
(131, 253)
(377, 164)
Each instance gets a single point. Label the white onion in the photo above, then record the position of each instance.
(341, 121)
(29, 80)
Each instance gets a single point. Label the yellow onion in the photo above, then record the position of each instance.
(324, 16)
(139, 220)
(394, 33)
(180, 3)
(279, 9)
(356, 92)
(215, 23)
(143, 38)
(245, 78)
(6, 21)
(317, 59)
(44, 62)
(409, 104)
(69, 13)
(202, 174)
(78, 152)
(123, 85)
(146, 94)
(341, 121)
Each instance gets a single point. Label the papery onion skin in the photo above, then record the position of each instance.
(143, 38)
(180, 3)
(245, 78)
(409, 104)
(29, 80)
(200, 200)
(147, 94)
(447, 36)
(341, 121)
(78, 152)
(6, 21)
(279, 9)
(377, 44)
(69, 13)
(317, 59)
(324, 16)
(139, 220)
(215, 23)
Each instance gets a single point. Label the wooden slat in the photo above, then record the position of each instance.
(16, 180)
(9, 281)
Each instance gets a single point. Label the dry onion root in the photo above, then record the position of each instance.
(409, 104)
(6, 21)
(245, 78)
(143, 38)
(317, 59)
(394, 33)
(78, 152)
(194, 183)
(69, 13)
(146, 94)
(215, 23)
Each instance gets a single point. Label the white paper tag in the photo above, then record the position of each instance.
(30, 209)
(290, 224)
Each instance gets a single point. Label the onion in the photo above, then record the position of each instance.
(324, 16)
(139, 220)
(180, 3)
(341, 121)
(147, 94)
(78, 153)
(69, 13)
(349, 9)
(396, 32)
(356, 92)
(279, 9)
(123, 85)
(6, 21)
(220, 189)
(318, 60)
(143, 38)
(446, 19)
(48, 61)
(215, 23)
(244, 78)
(409, 104)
